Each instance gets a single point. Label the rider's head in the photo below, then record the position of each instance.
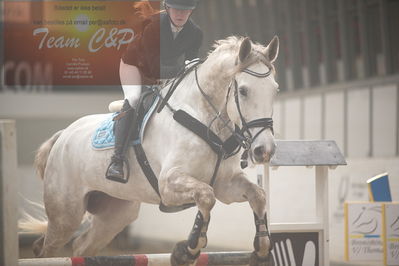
(180, 10)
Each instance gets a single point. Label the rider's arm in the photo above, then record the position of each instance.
(141, 56)
(129, 74)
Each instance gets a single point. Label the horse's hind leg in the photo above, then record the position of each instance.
(64, 218)
(110, 216)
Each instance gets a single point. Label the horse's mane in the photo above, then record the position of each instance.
(232, 45)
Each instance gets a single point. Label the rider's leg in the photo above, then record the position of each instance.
(123, 129)
(124, 126)
(131, 82)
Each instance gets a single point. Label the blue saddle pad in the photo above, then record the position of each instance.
(103, 137)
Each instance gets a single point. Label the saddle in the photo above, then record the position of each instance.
(103, 138)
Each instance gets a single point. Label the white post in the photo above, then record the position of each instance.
(322, 212)
(264, 182)
(8, 197)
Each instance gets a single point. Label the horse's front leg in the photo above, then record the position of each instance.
(240, 189)
(177, 188)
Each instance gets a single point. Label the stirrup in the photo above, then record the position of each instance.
(123, 180)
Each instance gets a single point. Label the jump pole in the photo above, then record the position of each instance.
(210, 258)
(8, 194)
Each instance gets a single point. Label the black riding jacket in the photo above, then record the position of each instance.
(156, 53)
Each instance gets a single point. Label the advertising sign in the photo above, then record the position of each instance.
(363, 236)
(69, 42)
(391, 233)
(296, 248)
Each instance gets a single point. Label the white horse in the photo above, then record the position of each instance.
(235, 85)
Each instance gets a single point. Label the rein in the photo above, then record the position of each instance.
(175, 83)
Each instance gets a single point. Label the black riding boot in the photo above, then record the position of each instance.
(123, 130)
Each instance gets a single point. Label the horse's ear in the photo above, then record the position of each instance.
(272, 49)
(245, 49)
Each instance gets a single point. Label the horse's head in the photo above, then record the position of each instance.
(253, 89)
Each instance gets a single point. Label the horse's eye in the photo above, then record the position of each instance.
(243, 91)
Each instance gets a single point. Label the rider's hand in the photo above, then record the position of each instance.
(188, 63)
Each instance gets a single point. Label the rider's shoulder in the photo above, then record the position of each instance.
(193, 27)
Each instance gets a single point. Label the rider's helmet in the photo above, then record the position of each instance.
(181, 4)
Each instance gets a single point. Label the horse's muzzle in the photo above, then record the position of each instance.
(263, 153)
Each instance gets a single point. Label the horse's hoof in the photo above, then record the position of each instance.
(255, 260)
(38, 246)
(181, 256)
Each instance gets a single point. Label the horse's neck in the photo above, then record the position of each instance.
(189, 98)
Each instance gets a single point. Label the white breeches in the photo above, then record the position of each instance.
(132, 93)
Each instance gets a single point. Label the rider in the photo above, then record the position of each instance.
(167, 40)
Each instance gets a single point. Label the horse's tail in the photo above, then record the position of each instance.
(32, 225)
(43, 153)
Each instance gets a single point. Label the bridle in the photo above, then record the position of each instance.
(242, 135)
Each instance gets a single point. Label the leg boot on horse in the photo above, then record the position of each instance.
(124, 127)
(188, 251)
